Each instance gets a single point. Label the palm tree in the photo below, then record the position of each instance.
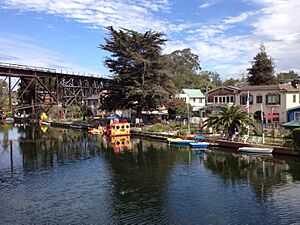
(229, 118)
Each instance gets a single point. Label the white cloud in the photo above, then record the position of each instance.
(278, 28)
(22, 50)
(217, 43)
(138, 15)
(240, 18)
(208, 4)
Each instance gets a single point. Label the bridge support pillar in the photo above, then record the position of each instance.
(9, 92)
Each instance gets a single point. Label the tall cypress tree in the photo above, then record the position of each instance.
(139, 81)
(262, 70)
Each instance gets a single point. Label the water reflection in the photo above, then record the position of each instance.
(76, 177)
(262, 173)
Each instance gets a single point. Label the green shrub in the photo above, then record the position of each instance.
(288, 136)
(296, 136)
(158, 127)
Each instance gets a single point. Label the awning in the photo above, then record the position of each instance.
(292, 124)
(271, 116)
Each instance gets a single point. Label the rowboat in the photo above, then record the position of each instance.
(255, 150)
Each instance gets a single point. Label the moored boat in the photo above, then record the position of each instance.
(255, 150)
(117, 126)
(199, 144)
(99, 130)
(179, 141)
(46, 123)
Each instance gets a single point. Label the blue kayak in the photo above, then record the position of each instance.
(199, 144)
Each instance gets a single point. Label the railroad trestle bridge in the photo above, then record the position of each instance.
(45, 86)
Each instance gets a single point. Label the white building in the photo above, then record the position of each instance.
(192, 96)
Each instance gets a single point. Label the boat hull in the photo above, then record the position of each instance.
(255, 150)
(180, 142)
(199, 145)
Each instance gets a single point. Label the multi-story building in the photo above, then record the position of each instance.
(192, 96)
(275, 100)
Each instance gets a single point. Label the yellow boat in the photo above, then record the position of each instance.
(99, 130)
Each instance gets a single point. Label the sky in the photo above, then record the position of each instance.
(225, 34)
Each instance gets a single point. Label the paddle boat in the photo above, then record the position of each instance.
(256, 150)
(117, 126)
(199, 143)
(179, 141)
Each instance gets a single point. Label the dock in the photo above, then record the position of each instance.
(214, 142)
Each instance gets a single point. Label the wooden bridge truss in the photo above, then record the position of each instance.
(45, 86)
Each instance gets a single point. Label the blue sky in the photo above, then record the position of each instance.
(226, 34)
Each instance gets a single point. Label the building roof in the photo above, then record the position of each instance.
(277, 87)
(231, 88)
(193, 93)
(294, 108)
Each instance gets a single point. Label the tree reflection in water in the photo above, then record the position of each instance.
(261, 172)
(144, 180)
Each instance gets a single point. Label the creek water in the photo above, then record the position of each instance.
(57, 176)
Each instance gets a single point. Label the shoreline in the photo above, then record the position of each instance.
(278, 150)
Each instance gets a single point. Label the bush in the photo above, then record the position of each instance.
(288, 136)
(296, 136)
(158, 127)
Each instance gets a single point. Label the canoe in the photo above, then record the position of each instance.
(199, 144)
(255, 150)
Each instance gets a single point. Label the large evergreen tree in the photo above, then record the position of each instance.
(262, 70)
(208, 80)
(183, 67)
(139, 81)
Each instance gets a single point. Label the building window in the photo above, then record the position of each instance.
(231, 98)
(200, 100)
(216, 99)
(297, 116)
(243, 99)
(273, 99)
(276, 119)
(294, 98)
(258, 99)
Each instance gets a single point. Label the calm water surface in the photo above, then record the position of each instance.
(56, 176)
